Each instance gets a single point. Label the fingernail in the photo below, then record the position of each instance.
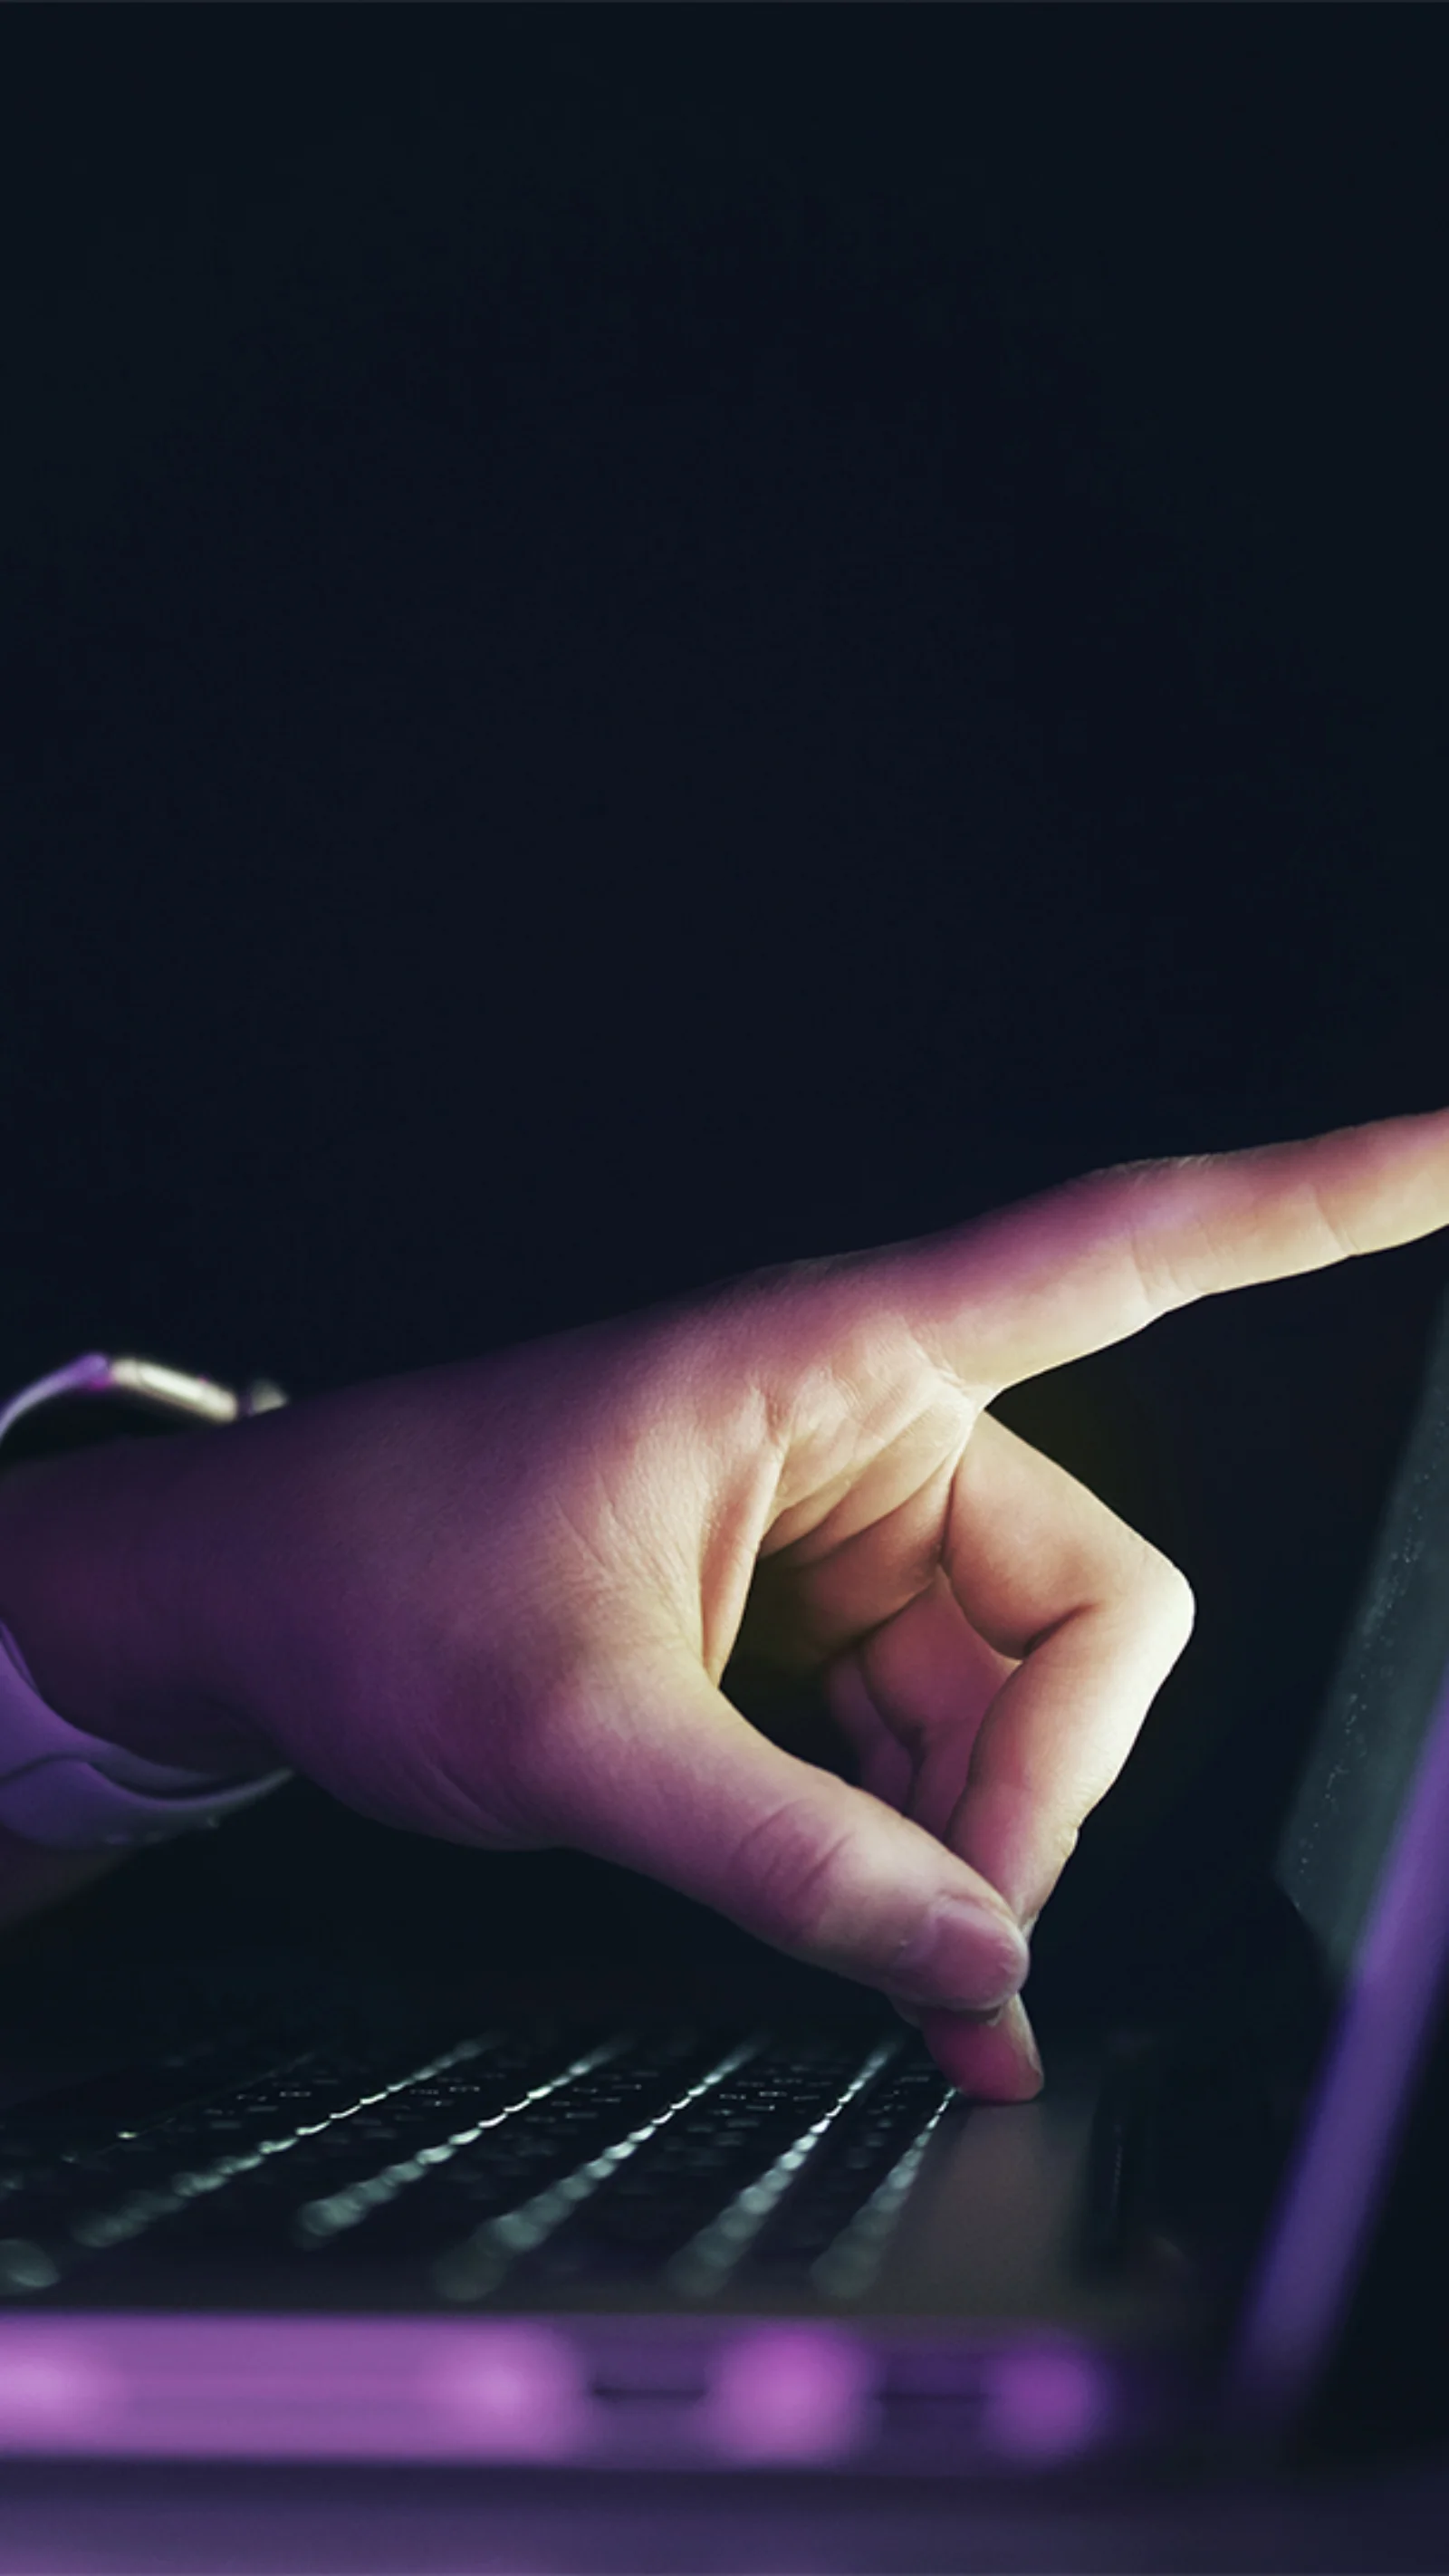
(962, 1957)
(914, 2013)
(995, 2063)
(1023, 2036)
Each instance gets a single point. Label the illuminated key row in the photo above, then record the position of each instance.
(798, 2155)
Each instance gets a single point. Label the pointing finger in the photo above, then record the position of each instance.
(1037, 1285)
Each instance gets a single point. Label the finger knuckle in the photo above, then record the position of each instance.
(1166, 1594)
(796, 1877)
(1345, 1242)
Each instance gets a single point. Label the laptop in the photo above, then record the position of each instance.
(453, 2198)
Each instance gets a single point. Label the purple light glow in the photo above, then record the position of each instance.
(290, 2388)
(1047, 2403)
(52, 2391)
(518, 2392)
(789, 2393)
(531, 2390)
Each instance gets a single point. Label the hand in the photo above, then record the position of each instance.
(495, 1602)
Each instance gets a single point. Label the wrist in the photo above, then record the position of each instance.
(90, 1591)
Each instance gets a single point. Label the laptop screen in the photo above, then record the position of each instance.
(1364, 1754)
(1362, 1861)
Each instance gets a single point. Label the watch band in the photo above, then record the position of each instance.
(59, 1786)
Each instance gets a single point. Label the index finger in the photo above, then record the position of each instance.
(1034, 1286)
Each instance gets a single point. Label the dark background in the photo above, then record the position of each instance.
(635, 640)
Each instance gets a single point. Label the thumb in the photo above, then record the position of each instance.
(656, 1769)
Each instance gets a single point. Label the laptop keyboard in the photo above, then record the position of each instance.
(512, 2163)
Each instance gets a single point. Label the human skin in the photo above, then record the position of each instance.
(495, 1601)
